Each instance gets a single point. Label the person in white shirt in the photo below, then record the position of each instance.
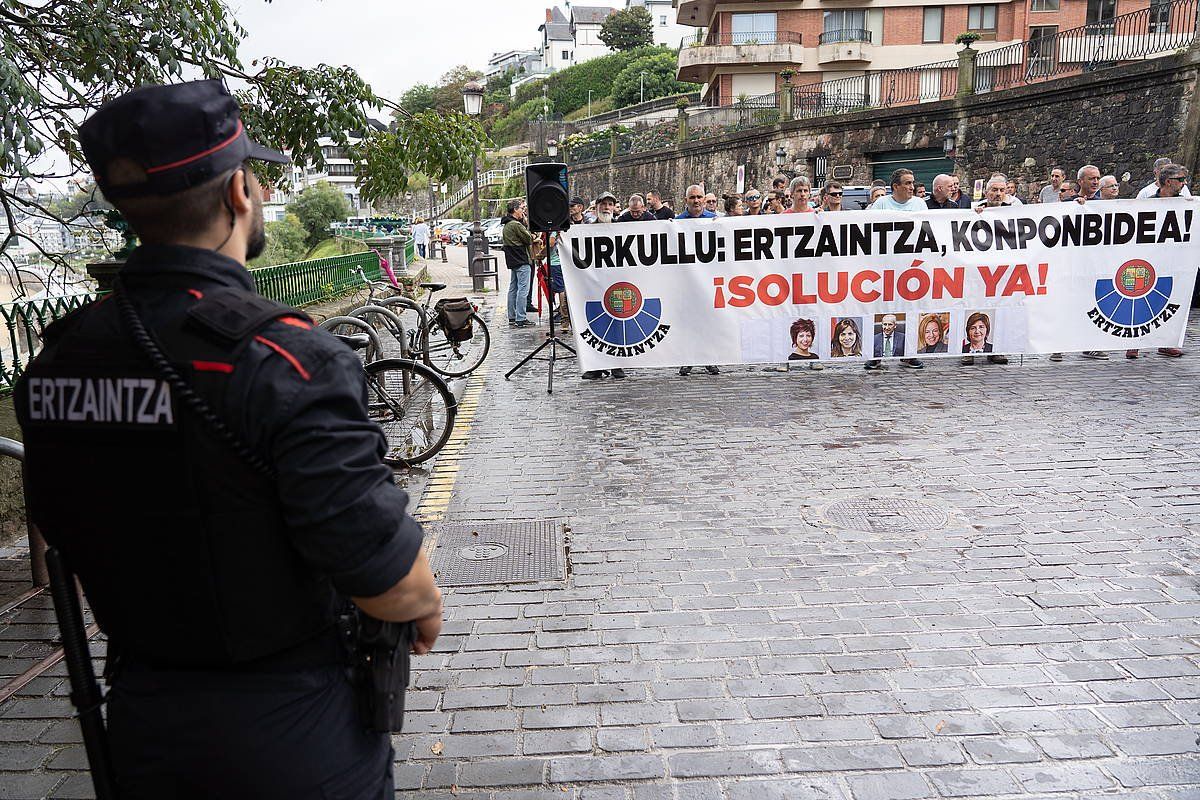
(420, 234)
(902, 197)
(1151, 189)
(1050, 193)
(1011, 193)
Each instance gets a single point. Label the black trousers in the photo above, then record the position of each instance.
(202, 735)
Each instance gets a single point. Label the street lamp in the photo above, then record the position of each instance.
(950, 144)
(472, 93)
(551, 148)
(780, 157)
(642, 86)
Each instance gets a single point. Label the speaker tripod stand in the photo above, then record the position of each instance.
(552, 342)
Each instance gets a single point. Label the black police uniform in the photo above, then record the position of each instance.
(216, 583)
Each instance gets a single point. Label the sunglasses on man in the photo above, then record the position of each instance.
(833, 194)
(752, 197)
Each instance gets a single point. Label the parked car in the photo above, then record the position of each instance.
(493, 233)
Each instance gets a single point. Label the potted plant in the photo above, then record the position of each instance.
(966, 39)
(787, 75)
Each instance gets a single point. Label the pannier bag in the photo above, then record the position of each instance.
(454, 315)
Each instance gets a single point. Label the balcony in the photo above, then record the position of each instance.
(695, 12)
(850, 45)
(699, 54)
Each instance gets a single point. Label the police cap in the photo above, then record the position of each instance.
(159, 140)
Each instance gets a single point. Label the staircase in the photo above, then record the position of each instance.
(493, 177)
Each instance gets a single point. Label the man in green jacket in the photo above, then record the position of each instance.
(518, 257)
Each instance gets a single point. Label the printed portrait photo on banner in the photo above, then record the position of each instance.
(803, 334)
(846, 341)
(889, 336)
(933, 333)
(979, 332)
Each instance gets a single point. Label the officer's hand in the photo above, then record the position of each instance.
(428, 629)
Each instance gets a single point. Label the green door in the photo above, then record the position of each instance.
(925, 164)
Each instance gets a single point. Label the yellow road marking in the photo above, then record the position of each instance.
(435, 500)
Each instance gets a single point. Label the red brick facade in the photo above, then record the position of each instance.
(902, 26)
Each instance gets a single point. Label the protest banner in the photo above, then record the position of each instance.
(1058, 277)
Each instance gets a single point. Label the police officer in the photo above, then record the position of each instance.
(215, 540)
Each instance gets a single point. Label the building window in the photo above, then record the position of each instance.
(1100, 14)
(1160, 16)
(845, 25)
(342, 170)
(1044, 5)
(1042, 49)
(662, 21)
(752, 29)
(932, 30)
(982, 18)
(566, 55)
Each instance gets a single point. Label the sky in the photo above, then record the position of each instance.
(393, 44)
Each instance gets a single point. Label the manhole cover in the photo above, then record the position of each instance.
(885, 515)
(481, 553)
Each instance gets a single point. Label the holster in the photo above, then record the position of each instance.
(379, 654)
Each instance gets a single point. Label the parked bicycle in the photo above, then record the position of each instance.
(410, 402)
(428, 333)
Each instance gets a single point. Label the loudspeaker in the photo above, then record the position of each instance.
(546, 192)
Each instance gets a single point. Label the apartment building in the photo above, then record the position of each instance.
(739, 48)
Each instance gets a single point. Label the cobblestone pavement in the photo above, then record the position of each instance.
(718, 638)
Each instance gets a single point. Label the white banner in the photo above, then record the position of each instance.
(1059, 277)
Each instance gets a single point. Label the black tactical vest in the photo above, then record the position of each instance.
(180, 545)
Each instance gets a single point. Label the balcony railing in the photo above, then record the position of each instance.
(845, 35)
(703, 39)
(1160, 30)
(1163, 28)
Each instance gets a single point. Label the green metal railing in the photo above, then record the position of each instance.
(295, 284)
(307, 282)
(23, 326)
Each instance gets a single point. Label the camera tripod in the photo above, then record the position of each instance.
(552, 341)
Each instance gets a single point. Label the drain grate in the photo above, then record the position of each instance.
(482, 553)
(885, 515)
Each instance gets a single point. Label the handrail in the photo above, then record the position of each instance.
(37, 545)
(1161, 28)
(304, 282)
(845, 35)
(728, 38)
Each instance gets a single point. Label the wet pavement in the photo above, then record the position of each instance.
(961, 582)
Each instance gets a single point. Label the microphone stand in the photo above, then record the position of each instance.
(552, 341)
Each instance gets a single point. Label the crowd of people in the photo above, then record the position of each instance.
(797, 196)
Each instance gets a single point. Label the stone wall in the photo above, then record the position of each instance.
(1120, 119)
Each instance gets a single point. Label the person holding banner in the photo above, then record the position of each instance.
(637, 211)
(754, 203)
(694, 209)
(1172, 181)
(800, 191)
(694, 204)
(733, 206)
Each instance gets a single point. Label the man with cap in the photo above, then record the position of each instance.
(236, 498)
(606, 205)
(576, 211)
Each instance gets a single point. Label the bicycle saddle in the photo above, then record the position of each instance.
(433, 287)
(355, 341)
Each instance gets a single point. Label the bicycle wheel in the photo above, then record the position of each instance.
(414, 407)
(351, 325)
(455, 359)
(392, 335)
(412, 317)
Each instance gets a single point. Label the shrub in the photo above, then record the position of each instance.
(659, 76)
